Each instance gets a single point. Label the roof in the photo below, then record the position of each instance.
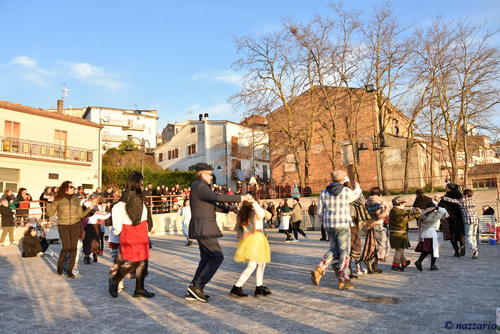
(485, 169)
(255, 120)
(48, 114)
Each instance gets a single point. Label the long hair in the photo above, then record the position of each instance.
(245, 215)
(61, 192)
(134, 183)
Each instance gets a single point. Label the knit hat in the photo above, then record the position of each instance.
(374, 206)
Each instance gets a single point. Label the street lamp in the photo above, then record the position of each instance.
(143, 149)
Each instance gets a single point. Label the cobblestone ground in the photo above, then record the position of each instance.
(33, 299)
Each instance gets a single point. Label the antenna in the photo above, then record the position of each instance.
(65, 91)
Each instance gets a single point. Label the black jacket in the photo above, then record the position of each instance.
(7, 216)
(203, 224)
(31, 246)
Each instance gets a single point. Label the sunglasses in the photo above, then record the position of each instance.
(71, 187)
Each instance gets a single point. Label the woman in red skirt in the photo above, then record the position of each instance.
(132, 221)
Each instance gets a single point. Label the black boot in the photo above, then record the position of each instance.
(433, 264)
(95, 257)
(261, 291)
(140, 291)
(237, 292)
(113, 288)
(418, 264)
(86, 260)
(457, 254)
(462, 249)
(143, 293)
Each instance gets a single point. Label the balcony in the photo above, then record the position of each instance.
(113, 138)
(45, 150)
(135, 126)
(115, 122)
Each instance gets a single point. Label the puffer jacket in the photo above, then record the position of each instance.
(68, 210)
(296, 214)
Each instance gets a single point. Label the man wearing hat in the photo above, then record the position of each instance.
(203, 227)
(335, 215)
(399, 218)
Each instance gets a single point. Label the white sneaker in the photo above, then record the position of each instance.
(288, 240)
(295, 240)
(13, 243)
(75, 271)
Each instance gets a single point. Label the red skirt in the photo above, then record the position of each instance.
(425, 246)
(134, 242)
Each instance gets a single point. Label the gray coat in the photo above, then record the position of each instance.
(204, 203)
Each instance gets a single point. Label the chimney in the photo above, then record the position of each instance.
(200, 117)
(60, 106)
(205, 117)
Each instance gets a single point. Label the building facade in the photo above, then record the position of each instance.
(358, 147)
(118, 124)
(41, 148)
(235, 151)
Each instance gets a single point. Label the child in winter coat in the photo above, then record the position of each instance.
(399, 217)
(376, 243)
(253, 247)
(427, 234)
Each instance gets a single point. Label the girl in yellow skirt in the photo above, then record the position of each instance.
(253, 247)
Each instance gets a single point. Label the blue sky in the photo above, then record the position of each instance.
(174, 56)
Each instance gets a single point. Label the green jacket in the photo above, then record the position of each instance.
(398, 226)
(68, 210)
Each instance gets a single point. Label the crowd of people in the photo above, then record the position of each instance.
(342, 211)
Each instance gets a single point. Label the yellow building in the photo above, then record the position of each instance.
(39, 148)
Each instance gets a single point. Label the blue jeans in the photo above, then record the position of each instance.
(340, 240)
(313, 222)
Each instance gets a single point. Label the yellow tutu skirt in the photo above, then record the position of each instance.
(253, 248)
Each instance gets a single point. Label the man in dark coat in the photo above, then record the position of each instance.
(203, 227)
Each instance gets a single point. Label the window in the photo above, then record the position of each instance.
(53, 176)
(90, 156)
(12, 129)
(61, 137)
(234, 146)
(169, 155)
(160, 157)
(395, 127)
(290, 163)
(191, 149)
(176, 153)
(193, 129)
(9, 179)
(347, 157)
(483, 183)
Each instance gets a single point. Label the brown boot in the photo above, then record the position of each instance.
(317, 274)
(348, 285)
(341, 285)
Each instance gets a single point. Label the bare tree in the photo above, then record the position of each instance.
(388, 53)
(272, 81)
(463, 69)
(333, 60)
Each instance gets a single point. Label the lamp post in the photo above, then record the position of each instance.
(143, 149)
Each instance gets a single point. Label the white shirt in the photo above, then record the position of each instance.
(120, 216)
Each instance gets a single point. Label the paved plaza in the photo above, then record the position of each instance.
(33, 299)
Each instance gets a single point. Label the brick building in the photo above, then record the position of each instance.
(359, 144)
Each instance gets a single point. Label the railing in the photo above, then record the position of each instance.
(43, 149)
(113, 138)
